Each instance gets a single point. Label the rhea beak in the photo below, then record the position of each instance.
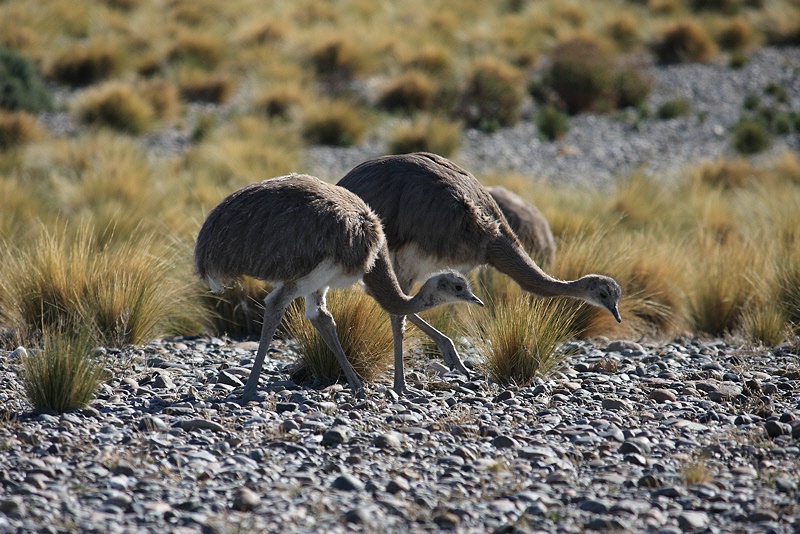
(476, 300)
(615, 312)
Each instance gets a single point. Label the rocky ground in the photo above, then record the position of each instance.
(684, 436)
(690, 435)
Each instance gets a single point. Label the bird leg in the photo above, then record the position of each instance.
(275, 305)
(445, 344)
(398, 330)
(321, 318)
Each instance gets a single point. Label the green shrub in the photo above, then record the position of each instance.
(116, 106)
(580, 74)
(63, 375)
(750, 136)
(426, 135)
(336, 124)
(631, 88)
(684, 42)
(17, 129)
(82, 65)
(677, 107)
(21, 88)
(411, 91)
(493, 95)
(552, 123)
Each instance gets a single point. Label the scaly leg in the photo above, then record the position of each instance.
(445, 344)
(398, 329)
(321, 318)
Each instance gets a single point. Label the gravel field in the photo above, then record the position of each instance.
(683, 436)
(688, 435)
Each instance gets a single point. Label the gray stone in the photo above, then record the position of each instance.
(246, 500)
(389, 440)
(347, 482)
(692, 520)
(663, 395)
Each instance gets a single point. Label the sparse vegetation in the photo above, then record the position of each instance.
(684, 42)
(116, 106)
(677, 107)
(21, 88)
(493, 94)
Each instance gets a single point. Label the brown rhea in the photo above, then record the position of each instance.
(437, 215)
(304, 236)
(527, 222)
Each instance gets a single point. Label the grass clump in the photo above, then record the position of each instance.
(338, 123)
(198, 51)
(21, 88)
(278, 103)
(671, 109)
(363, 329)
(214, 88)
(684, 42)
(410, 91)
(123, 294)
(63, 375)
(336, 59)
(552, 123)
(493, 95)
(426, 134)
(81, 65)
(116, 106)
(521, 337)
(17, 129)
(239, 310)
(750, 135)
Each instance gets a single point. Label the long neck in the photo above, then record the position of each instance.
(508, 257)
(383, 286)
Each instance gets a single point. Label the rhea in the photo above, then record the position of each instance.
(437, 215)
(304, 236)
(528, 223)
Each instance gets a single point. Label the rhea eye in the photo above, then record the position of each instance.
(603, 295)
(459, 287)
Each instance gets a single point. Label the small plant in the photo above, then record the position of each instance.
(624, 29)
(116, 106)
(493, 95)
(521, 337)
(696, 471)
(201, 87)
(677, 107)
(765, 324)
(17, 129)
(21, 88)
(197, 51)
(631, 88)
(552, 123)
(434, 60)
(363, 329)
(338, 124)
(63, 375)
(82, 65)
(411, 91)
(580, 74)
(736, 35)
(684, 42)
(750, 136)
(278, 103)
(336, 58)
(426, 135)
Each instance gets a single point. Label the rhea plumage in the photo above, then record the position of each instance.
(528, 223)
(303, 236)
(436, 215)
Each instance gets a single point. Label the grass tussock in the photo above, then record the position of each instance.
(336, 123)
(521, 336)
(239, 310)
(122, 294)
(493, 94)
(426, 134)
(115, 105)
(85, 64)
(684, 42)
(199, 86)
(364, 332)
(17, 129)
(63, 374)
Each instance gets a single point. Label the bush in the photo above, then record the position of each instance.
(197, 51)
(580, 74)
(202, 87)
(116, 106)
(21, 88)
(434, 60)
(336, 124)
(552, 123)
(336, 58)
(411, 91)
(677, 107)
(278, 103)
(426, 135)
(63, 375)
(631, 88)
(493, 95)
(736, 35)
(684, 42)
(17, 129)
(750, 136)
(82, 65)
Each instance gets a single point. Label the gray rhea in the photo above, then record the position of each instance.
(527, 222)
(437, 215)
(303, 236)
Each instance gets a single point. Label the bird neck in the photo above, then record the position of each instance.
(382, 285)
(507, 256)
